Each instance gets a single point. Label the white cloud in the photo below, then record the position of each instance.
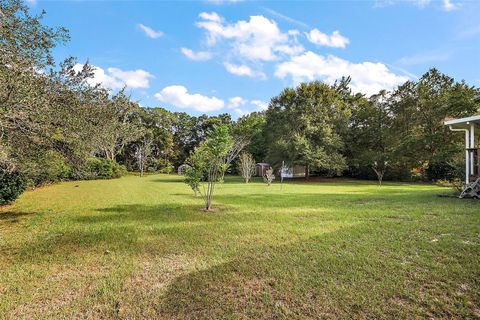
(101, 77)
(212, 16)
(179, 96)
(335, 40)
(236, 102)
(448, 5)
(293, 32)
(421, 3)
(286, 18)
(386, 3)
(239, 104)
(197, 56)
(258, 39)
(260, 104)
(31, 2)
(115, 78)
(367, 77)
(133, 79)
(149, 32)
(243, 70)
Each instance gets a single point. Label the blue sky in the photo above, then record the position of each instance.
(233, 56)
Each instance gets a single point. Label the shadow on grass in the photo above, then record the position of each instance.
(352, 201)
(13, 215)
(123, 225)
(376, 271)
(383, 268)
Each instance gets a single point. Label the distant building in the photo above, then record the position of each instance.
(260, 168)
(470, 127)
(297, 171)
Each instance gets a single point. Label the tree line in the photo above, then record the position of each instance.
(54, 125)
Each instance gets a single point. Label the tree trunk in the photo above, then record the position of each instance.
(380, 174)
(307, 172)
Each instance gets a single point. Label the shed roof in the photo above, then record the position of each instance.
(463, 121)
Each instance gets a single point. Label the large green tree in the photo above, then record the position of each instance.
(251, 127)
(372, 140)
(419, 109)
(304, 125)
(25, 54)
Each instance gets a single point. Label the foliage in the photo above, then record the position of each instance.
(193, 177)
(405, 128)
(246, 166)
(143, 151)
(441, 171)
(371, 139)
(12, 184)
(51, 118)
(419, 109)
(49, 167)
(304, 126)
(164, 166)
(102, 168)
(252, 126)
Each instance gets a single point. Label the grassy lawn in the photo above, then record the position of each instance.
(142, 248)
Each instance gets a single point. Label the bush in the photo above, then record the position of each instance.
(46, 167)
(53, 167)
(101, 168)
(441, 171)
(456, 185)
(164, 166)
(12, 184)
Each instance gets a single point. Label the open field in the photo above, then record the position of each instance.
(142, 248)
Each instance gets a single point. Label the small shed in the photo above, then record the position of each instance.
(471, 127)
(260, 168)
(295, 171)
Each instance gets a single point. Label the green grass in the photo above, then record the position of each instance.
(142, 248)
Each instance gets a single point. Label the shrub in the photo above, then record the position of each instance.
(246, 166)
(101, 168)
(441, 170)
(164, 166)
(46, 167)
(456, 185)
(12, 184)
(269, 176)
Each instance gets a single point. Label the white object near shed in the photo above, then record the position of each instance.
(471, 127)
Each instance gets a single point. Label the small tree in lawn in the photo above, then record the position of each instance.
(269, 176)
(208, 163)
(246, 166)
(380, 167)
(143, 150)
